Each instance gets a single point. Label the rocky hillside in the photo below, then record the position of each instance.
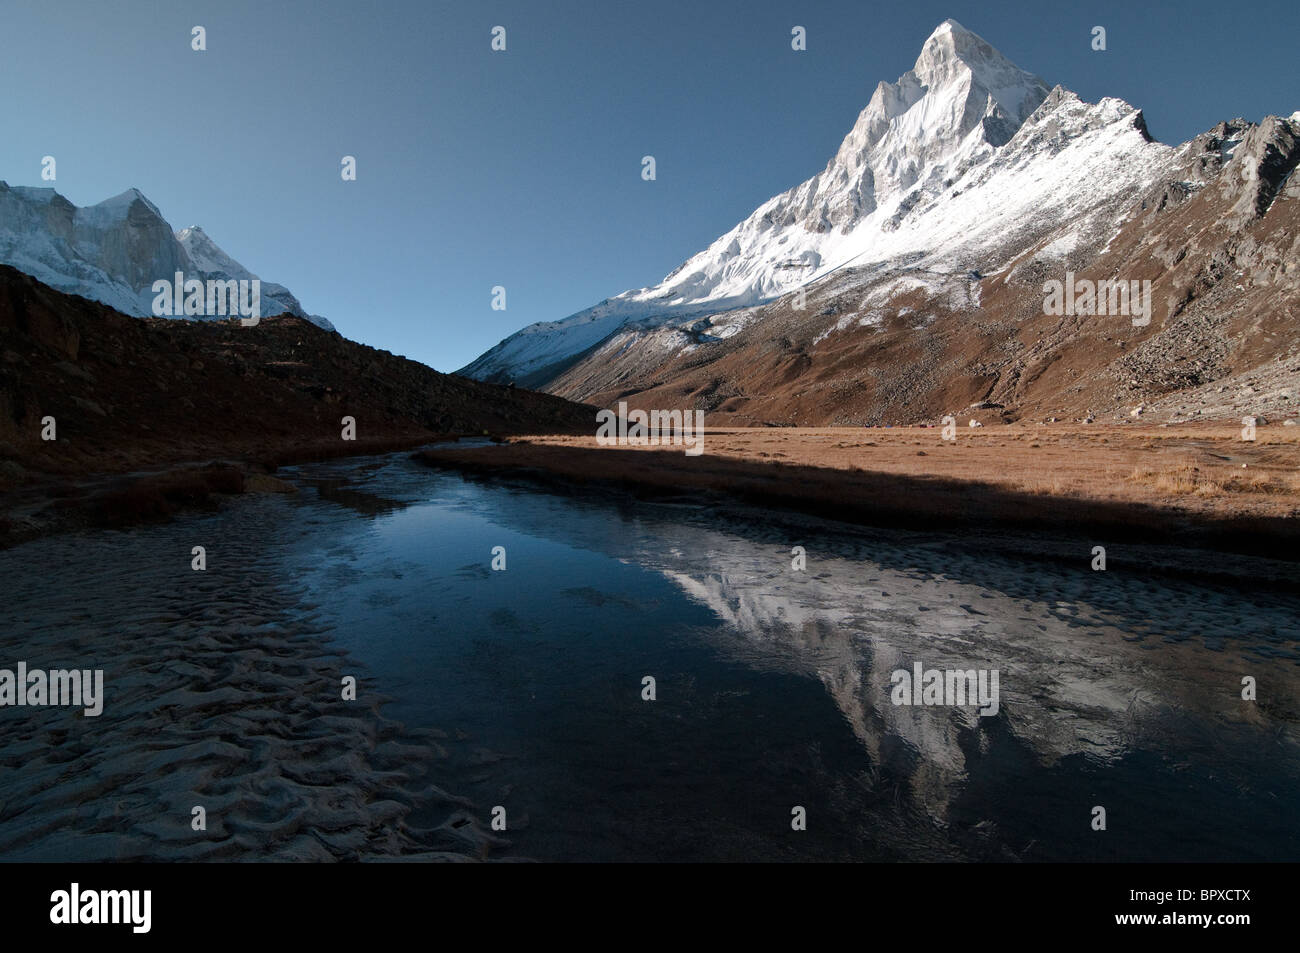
(131, 393)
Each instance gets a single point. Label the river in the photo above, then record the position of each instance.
(525, 688)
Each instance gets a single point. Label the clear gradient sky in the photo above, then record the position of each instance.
(522, 168)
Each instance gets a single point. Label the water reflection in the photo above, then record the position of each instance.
(525, 686)
(1115, 689)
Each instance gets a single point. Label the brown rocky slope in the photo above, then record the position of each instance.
(130, 394)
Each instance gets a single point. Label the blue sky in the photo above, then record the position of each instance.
(522, 168)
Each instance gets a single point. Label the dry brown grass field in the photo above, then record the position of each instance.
(1199, 480)
(1198, 468)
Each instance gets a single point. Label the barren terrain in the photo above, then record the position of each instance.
(136, 403)
(1198, 484)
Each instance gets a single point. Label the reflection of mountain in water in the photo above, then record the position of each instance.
(1075, 677)
(774, 687)
(1101, 666)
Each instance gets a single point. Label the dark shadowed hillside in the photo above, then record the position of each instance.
(131, 394)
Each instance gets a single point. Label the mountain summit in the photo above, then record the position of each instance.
(953, 111)
(907, 279)
(961, 101)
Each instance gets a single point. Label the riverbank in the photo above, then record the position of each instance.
(50, 504)
(1198, 487)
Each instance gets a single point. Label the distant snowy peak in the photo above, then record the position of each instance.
(114, 251)
(119, 208)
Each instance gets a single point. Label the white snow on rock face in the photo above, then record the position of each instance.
(946, 169)
(114, 251)
(212, 262)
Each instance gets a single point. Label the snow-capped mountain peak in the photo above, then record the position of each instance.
(115, 250)
(960, 98)
(951, 52)
(950, 114)
(120, 205)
